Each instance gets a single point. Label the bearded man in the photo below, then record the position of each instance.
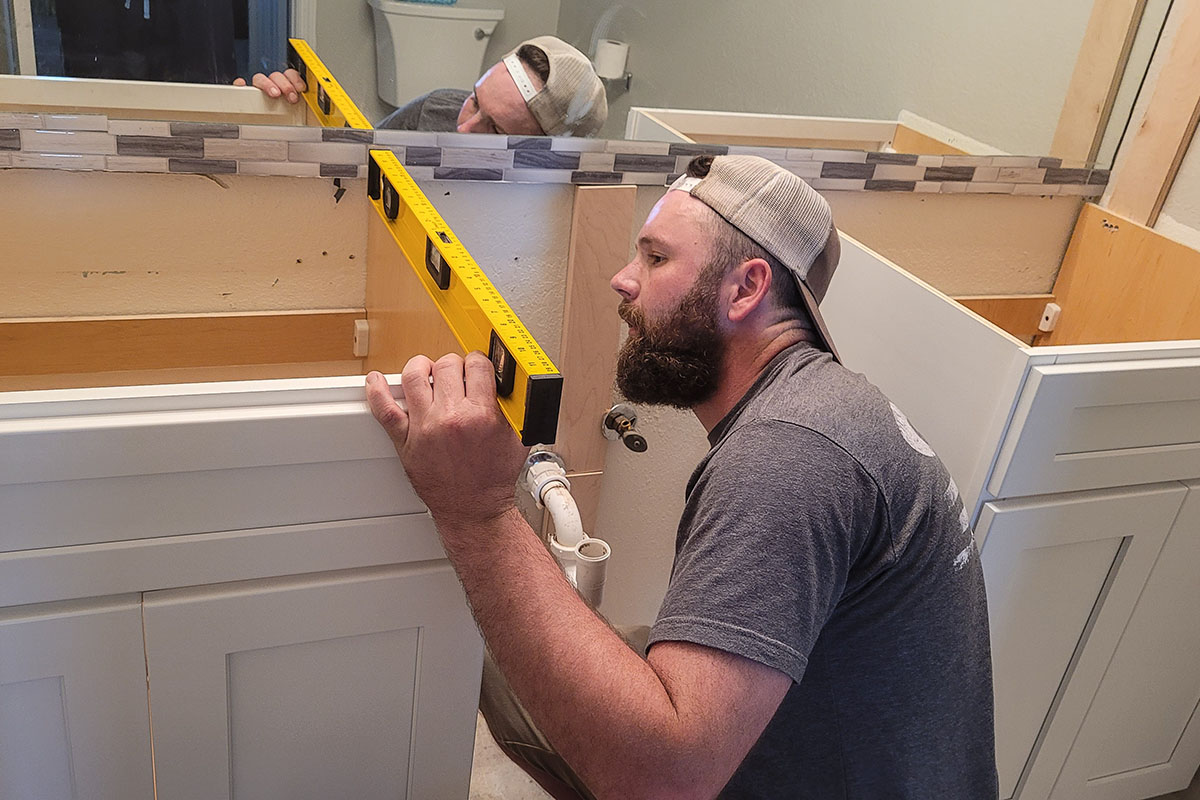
(824, 633)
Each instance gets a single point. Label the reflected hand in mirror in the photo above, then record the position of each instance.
(543, 87)
(286, 84)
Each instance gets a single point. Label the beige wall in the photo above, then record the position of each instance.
(345, 41)
(995, 71)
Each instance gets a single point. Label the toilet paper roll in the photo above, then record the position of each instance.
(610, 58)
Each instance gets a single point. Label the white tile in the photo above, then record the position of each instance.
(954, 187)
(537, 175)
(295, 169)
(645, 178)
(769, 153)
(575, 144)
(264, 150)
(75, 122)
(5, 160)
(420, 173)
(474, 141)
(639, 148)
(681, 163)
(986, 174)
(929, 161)
(596, 162)
(57, 161)
(898, 172)
(80, 142)
(481, 159)
(1080, 189)
(281, 133)
(806, 154)
(1037, 188)
(390, 138)
(966, 161)
(842, 156)
(135, 164)
(838, 184)
(977, 187)
(327, 152)
(1021, 175)
(805, 169)
(927, 187)
(1016, 161)
(12, 119)
(139, 127)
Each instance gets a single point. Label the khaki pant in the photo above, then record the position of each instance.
(520, 739)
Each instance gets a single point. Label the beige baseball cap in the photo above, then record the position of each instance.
(572, 103)
(783, 214)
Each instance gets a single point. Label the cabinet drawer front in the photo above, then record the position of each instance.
(1088, 426)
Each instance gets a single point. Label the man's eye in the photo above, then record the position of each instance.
(655, 259)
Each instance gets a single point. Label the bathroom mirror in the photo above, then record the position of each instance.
(997, 73)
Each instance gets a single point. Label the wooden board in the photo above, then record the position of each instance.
(403, 321)
(1124, 282)
(1099, 68)
(53, 346)
(1148, 162)
(601, 229)
(1019, 314)
(906, 140)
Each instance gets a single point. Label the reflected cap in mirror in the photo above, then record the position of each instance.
(782, 214)
(572, 103)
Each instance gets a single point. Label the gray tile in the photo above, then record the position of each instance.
(891, 186)
(1098, 177)
(689, 149)
(467, 174)
(74, 122)
(907, 159)
(545, 159)
(135, 164)
(1066, 175)
(170, 146)
(528, 142)
(422, 156)
(139, 127)
(202, 166)
(949, 174)
(1049, 162)
(347, 135)
(636, 162)
(281, 133)
(420, 173)
(80, 142)
(327, 152)
(207, 130)
(854, 171)
(10, 139)
(582, 176)
(256, 150)
(339, 171)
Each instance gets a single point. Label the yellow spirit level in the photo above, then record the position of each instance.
(325, 96)
(528, 384)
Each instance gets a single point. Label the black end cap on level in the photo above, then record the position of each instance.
(542, 399)
(296, 62)
(374, 173)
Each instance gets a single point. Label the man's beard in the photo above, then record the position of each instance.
(674, 361)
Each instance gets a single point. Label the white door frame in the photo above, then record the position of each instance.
(23, 33)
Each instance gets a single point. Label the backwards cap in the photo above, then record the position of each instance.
(572, 103)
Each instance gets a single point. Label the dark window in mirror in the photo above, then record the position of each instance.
(190, 41)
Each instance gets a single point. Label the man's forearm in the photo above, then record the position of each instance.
(601, 705)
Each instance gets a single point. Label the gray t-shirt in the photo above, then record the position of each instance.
(823, 538)
(435, 111)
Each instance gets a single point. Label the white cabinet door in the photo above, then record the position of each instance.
(1141, 736)
(1063, 573)
(1109, 423)
(359, 684)
(74, 724)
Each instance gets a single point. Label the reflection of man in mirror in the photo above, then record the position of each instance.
(825, 631)
(543, 87)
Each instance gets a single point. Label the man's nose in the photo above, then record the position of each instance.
(623, 282)
(470, 125)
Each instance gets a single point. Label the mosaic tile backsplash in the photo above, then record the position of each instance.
(94, 142)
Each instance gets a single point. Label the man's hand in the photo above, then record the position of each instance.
(460, 454)
(287, 84)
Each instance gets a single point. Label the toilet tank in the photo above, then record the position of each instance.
(423, 46)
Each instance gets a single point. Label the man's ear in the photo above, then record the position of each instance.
(748, 287)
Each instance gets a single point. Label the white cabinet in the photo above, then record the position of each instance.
(254, 555)
(1074, 463)
(1139, 738)
(73, 716)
